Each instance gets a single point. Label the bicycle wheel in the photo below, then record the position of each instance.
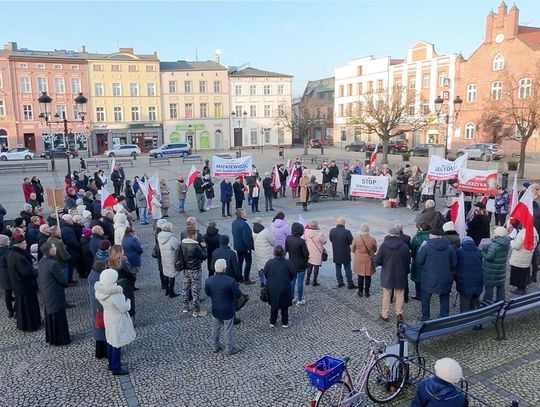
(334, 395)
(386, 378)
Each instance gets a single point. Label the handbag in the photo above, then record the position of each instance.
(155, 252)
(100, 323)
(324, 253)
(241, 301)
(263, 294)
(372, 256)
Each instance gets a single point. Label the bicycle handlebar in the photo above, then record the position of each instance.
(363, 329)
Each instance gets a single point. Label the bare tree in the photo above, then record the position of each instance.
(514, 114)
(389, 113)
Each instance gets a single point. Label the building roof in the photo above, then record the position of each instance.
(55, 54)
(530, 36)
(257, 73)
(320, 86)
(191, 66)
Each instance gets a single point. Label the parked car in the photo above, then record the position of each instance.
(315, 143)
(356, 145)
(60, 152)
(482, 151)
(171, 150)
(123, 150)
(422, 150)
(19, 153)
(394, 147)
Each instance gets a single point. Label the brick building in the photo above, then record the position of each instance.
(318, 100)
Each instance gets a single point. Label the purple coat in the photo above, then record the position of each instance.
(280, 230)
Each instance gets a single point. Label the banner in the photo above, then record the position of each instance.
(478, 181)
(441, 169)
(369, 186)
(231, 167)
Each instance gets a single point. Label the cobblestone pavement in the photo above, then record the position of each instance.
(171, 363)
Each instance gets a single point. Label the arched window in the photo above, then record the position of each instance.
(471, 93)
(524, 90)
(470, 130)
(496, 90)
(498, 62)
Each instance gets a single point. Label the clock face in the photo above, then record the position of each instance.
(499, 38)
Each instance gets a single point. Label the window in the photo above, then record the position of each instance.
(266, 133)
(40, 66)
(202, 86)
(172, 86)
(25, 85)
(281, 89)
(359, 88)
(59, 85)
(412, 82)
(267, 111)
(98, 89)
(425, 109)
(188, 110)
(76, 115)
(134, 89)
(349, 109)
(23, 66)
(253, 111)
(2, 108)
(42, 85)
(135, 114)
(237, 90)
(359, 70)
(412, 110)
(75, 85)
(252, 89)
(152, 113)
(100, 114)
(57, 66)
(238, 111)
(217, 86)
(27, 112)
(442, 80)
(203, 108)
(498, 62)
(349, 89)
(524, 90)
(370, 86)
(471, 92)
(341, 92)
(132, 68)
(469, 130)
(281, 110)
(496, 90)
(218, 110)
(151, 89)
(97, 67)
(74, 67)
(340, 110)
(60, 111)
(150, 68)
(266, 89)
(173, 110)
(115, 68)
(399, 85)
(116, 89)
(426, 78)
(187, 86)
(117, 111)
(380, 85)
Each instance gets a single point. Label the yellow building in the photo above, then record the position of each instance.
(124, 104)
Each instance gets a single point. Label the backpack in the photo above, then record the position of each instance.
(179, 262)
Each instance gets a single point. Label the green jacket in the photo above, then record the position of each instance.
(495, 260)
(416, 243)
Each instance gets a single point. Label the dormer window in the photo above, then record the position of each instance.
(498, 62)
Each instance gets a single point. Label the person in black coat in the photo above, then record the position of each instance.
(469, 275)
(268, 187)
(299, 256)
(341, 240)
(52, 283)
(23, 280)
(32, 231)
(478, 225)
(73, 244)
(226, 193)
(238, 189)
(3, 213)
(279, 273)
(86, 259)
(117, 180)
(97, 236)
(394, 257)
(36, 183)
(5, 283)
(108, 226)
(283, 174)
(243, 242)
(130, 197)
(211, 238)
(228, 254)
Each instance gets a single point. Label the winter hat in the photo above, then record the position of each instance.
(17, 238)
(448, 227)
(43, 227)
(467, 239)
(526, 184)
(86, 232)
(101, 255)
(500, 231)
(449, 370)
(67, 217)
(104, 244)
(108, 277)
(480, 205)
(393, 231)
(77, 219)
(27, 206)
(87, 214)
(161, 222)
(79, 201)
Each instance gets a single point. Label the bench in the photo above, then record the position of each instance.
(97, 163)
(155, 160)
(516, 306)
(124, 161)
(453, 323)
(192, 159)
(314, 158)
(36, 165)
(227, 156)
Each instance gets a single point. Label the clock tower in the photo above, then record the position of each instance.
(502, 26)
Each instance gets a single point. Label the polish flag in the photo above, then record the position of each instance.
(373, 156)
(514, 195)
(275, 179)
(192, 175)
(147, 191)
(107, 200)
(113, 164)
(523, 213)
(457, 214)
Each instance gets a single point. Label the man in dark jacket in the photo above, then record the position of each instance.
(268, 192)
(238, 190)
(211, 238)
(107, 224)
(243, 242)
(97, 236)
(32, 231)
(223, 291)
(298, 255)
(117, 180)
(431, 216)
(5, 284)
(469, 275)
(394, 257)
(198, 186)
(44, 233)
(72, 244)
(283, 174)
(62, 254)
(341, 239)
(225, 252)
(438, 262)
(193, 254)
(451, 235)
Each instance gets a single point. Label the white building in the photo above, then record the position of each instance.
(256, 98)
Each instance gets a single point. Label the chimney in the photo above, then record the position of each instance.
(490, 20)
(217, 56)
(512, 24)
(10, 46)
(83, 49)
(126, 51)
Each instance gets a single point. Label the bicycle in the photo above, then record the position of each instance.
(381, 378)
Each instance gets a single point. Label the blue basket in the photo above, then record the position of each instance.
(325, 372)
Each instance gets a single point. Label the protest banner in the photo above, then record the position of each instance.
(369, 186)
(442, 170)
(231, 167)
(478, 181)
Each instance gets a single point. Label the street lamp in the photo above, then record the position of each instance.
(193, 133)
(240, 121)
(45, 101)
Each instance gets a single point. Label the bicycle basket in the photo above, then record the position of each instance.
(325, 372)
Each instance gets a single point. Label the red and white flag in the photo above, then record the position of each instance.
(514, 195)
(457, 214)
(373, 157)
(523, 213)
(192, 175)
(113, 165)
(107, 200)
(275, 179)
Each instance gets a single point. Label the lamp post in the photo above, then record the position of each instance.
(193, 133)
(45, 102)
(240, 121)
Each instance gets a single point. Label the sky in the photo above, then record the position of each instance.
(306, 39)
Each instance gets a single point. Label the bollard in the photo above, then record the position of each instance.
(504, 180)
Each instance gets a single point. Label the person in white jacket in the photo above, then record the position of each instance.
(119, 329)
(120, 225)
(156, 209)
(168, 244)
(520, 262)
(263, 243)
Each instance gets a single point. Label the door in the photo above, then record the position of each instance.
(217, 139)
(205, 140)
(238, 137)
(30, 141)
(102, 142)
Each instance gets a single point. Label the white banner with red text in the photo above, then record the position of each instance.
(231, 167)
(442, 170)
(478, 181)
(369, 186)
